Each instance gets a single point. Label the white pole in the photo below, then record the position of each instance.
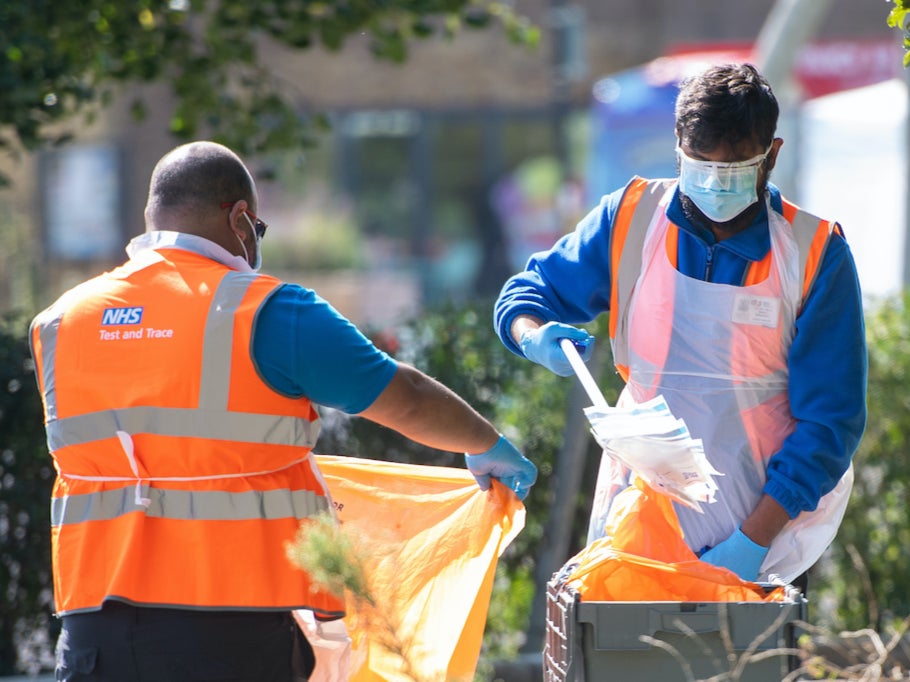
(581, 370)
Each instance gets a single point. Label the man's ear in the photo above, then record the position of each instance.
(236, 220)
(776, 144)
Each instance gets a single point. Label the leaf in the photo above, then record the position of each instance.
(81, 51)
(897, 18)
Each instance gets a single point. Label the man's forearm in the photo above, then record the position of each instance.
(765, 522)
(426, 411)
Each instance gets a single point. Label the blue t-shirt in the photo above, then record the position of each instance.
(302, 346)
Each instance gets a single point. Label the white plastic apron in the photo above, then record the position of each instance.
(726, 375)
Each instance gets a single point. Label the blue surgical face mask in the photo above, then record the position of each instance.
(720, 190)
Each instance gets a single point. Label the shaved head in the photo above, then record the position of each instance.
(192, 181)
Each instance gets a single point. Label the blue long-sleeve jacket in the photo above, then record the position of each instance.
(827, 360)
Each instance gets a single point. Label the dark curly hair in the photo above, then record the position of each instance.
(727, 103)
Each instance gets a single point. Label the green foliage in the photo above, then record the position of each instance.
(26, 477)
(513, 590)
(332, 557)
(871, 572)
(58, 59)
(897, 18)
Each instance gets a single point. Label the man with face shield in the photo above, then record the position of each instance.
(741, 309)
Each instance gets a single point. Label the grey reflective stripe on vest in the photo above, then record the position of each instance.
(805, 226)
(804, 229)
(211, 505)
(219, 338)
(186, 423)
(48, 323)
(630, 263)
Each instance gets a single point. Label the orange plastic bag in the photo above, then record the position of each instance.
(435, 538)
(643, 557)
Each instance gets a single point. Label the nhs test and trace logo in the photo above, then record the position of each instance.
(118, 316)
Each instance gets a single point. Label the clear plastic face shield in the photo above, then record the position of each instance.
(721, 190)
(726, 177)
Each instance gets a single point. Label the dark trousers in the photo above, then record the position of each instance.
(123, 643)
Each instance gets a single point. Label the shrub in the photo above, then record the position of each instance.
(27, 628)
(866, 574)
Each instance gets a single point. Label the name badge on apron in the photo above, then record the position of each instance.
(763, 311)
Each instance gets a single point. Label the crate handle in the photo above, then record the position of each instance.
(697, 621)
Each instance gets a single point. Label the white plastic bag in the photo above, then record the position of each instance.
(331, 646)
(644, 439)
(655, 445)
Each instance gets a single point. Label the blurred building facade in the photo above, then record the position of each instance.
(432, 174)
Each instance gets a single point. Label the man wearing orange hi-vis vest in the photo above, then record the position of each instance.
(741, 309)
(180, 393)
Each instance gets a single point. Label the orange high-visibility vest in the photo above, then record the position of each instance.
(636, 209)
(181, 475)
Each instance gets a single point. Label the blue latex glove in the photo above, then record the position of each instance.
(541, 345)
(505, 463)
(739, 554)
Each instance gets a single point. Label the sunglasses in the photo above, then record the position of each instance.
(259, 226)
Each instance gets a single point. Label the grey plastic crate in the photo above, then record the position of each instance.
(629, 641)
